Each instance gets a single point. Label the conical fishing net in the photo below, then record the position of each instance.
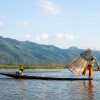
(79, 63)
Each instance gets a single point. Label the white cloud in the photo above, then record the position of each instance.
(59, 37)
(27, 36)
(48, 6)
(65, 36)
(42, 37)
(24, 23)
(2, 24)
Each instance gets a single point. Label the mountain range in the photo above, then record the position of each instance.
(29, 53)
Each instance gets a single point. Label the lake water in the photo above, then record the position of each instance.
(16, 89)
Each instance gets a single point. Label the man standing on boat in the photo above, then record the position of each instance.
(90, 65)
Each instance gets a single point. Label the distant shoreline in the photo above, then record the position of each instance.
(36, 67)
(31, 67)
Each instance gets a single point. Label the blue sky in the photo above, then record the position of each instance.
(62, 23)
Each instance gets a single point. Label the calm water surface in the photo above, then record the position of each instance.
(14, 89)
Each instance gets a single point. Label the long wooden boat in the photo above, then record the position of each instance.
(42, 78)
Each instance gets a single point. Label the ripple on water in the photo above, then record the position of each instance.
(12, 89)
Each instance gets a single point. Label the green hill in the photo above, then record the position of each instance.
(18, 52)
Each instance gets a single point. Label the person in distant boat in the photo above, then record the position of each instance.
(90, 65)
(21, 71)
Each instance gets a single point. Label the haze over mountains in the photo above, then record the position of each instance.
(18, 52)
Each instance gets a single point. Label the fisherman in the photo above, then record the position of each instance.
(90, 65)
(21, 71)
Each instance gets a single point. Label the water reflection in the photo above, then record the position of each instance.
(13, 89)
(90, 90)
(85, 90)
(59, 90)
(21, 89)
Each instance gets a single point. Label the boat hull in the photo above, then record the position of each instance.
(42, 78)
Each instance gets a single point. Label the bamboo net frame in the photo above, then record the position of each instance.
(79, 63)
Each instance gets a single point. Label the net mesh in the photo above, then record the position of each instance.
(79, 63)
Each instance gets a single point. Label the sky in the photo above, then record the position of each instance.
(63, 23)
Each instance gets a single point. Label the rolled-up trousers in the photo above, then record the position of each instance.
(90, 68)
